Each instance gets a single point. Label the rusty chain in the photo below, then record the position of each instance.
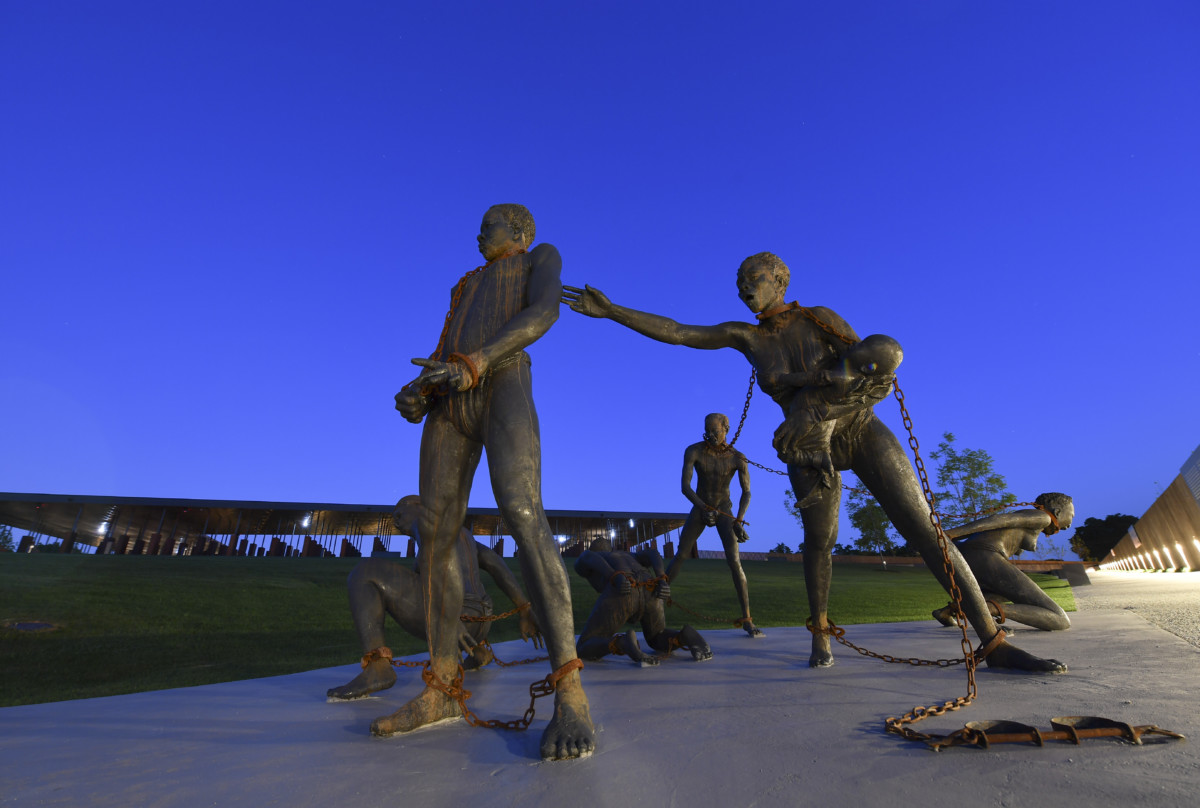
(455, 297)
(538, 689)
(900, 725)
(839, 634)
(515, 663)
(488, 618)
(649, 584)
(746, 406)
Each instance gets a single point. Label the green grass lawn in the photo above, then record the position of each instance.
(129, 624)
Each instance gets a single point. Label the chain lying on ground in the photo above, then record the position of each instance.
(839, 634)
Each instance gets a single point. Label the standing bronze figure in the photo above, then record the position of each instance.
(476, 393)
(789, 339)
(714, 462)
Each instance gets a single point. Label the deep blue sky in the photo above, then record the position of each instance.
(226, 227)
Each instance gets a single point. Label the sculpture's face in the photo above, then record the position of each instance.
(715, 431)
(758, 288)
(496, 238)
(407, 511)
(1066, 516)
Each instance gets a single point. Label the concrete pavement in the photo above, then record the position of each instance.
(752, 727)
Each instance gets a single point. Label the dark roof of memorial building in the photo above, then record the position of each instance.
(89, 520)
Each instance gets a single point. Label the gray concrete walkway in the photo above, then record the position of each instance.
(1169, 600)
(753, 727)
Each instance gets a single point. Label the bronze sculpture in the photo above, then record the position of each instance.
(379, 587)
(475, 393)
(863, 366)
(988, 543)
(714, 462)
(631, 588)
(790, 339)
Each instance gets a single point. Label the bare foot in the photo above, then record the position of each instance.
(691, 640)
(946, 615)
(821, 656)
(1007, 655)
(378, 675)
(629, 645)
(751, 629)
(570, 733)
(430, 707)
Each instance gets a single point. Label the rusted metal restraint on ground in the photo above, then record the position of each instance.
(1073, 728)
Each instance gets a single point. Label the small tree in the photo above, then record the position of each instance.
(875, 532)
(6, 540)
(1092, 540)
(969, 482)
(780, 548)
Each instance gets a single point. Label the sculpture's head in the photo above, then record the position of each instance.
(763, 281)
(716, 427)
(506, 229)
(407, 511)
(876, 355)
(1063, 508)
(601, 545)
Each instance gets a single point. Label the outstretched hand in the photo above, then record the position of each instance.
(587, 300)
